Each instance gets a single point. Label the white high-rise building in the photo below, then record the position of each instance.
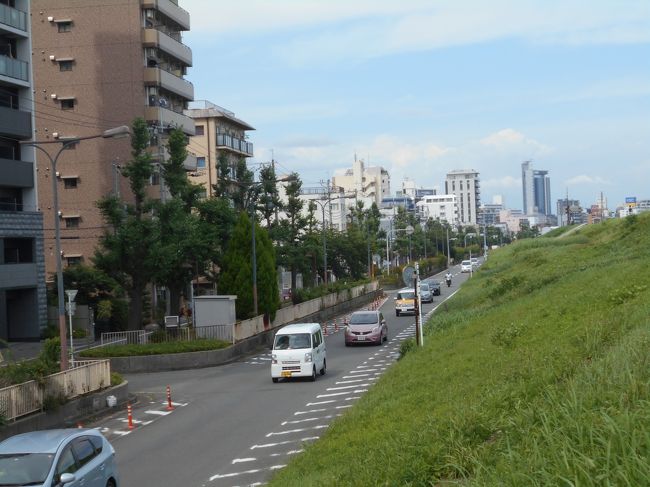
(370, 184)
(536, 187)
(441, 207)
(465, 184)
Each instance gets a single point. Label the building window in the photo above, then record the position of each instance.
(200, 162)
(67, 104)
(65, 26)
(199, 130)
(72, 222)
(70, 183)
(65, 65)
(18, 250)
(75, 260)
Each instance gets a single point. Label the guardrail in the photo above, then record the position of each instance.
(29, 397)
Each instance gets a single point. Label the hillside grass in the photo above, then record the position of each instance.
(536, 373)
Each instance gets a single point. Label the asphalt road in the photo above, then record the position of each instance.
(231, 425)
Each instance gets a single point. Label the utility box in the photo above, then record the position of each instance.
(214, 310)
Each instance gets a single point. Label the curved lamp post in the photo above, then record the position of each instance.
(117, 132)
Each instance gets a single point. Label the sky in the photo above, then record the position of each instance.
(425, 87)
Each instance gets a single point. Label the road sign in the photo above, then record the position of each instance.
(407, 275)
(72, 293)
(410, 230)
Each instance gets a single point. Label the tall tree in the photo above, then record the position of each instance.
(124, 253)
(291, 252)
(237, 272)
(179, 249)
(269, 202)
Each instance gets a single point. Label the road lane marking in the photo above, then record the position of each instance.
(243, 460)
(305, 420)
(234, 474)
(346, 387)
(319, 403)
(158, 413)
(355, 380)
(297, 430)
(310, 411)
(356, 391)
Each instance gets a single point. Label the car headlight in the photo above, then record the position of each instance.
(274, 358)
(308, 357)
(375, 329)
(348, 330)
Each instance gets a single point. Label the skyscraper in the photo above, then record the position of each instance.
(536, 187)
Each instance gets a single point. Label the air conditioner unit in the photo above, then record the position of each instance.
(52, 57)
(57, 175)
(50, 19)
(56, 136)
(150, 14)
(53, 96)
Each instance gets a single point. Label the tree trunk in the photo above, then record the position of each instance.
(175, 298)
(135, 308)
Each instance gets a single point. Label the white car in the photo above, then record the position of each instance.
(298, 351)
(466, 266)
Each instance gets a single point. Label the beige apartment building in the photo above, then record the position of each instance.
(99, 64)
(218, 132)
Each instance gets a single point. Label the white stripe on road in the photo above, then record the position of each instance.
(346, 387)
(158, 413)
(310, 411)
(321, 402)
(243, 460)
(297, 430)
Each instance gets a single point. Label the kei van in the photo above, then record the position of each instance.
(298, 351)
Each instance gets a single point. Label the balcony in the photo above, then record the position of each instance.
(13, 18)
(15, 123)
(156, 38)
(168, 81)
(235, 144)
(16, 174)
(14, 68)
(169, 9)
(169, 118)
(18, 275)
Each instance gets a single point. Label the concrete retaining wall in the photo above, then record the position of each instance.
(67, 415)
(210, 358)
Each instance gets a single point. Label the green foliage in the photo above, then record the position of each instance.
(116, 379)
(53, 402)
(45, 364)
(407, 346)
(306, 294)
(547, 385)
(153, 348)
(236, 273)
(268, 293)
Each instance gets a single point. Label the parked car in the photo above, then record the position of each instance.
(298, 351)
(435, 287)
(405, 301)
(366, 327)
(466, 266)
(426, 296)
(475, 262)
(71, 457)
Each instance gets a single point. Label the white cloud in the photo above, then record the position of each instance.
(586, 179)
(510, 139)
(338, 30)
(505, 182)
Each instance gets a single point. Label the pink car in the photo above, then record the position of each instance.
(366, 327)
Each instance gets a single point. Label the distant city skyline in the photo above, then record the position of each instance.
(425, 88)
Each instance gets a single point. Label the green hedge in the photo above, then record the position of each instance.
(153, 349)
(305, 294)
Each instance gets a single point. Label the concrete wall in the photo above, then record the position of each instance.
(68, 414)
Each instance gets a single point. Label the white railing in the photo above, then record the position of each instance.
(182, 333)
(86, 376)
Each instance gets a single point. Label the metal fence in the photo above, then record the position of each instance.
(170, 334)
(86, 376)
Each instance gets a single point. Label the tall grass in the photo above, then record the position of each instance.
(536, 373)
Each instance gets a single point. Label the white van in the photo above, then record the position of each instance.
(466, 266)
(298, 351)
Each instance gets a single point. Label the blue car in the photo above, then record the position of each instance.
(61, 457)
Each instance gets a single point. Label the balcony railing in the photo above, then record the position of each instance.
(13, 17)
(239, 145)
(14, 68)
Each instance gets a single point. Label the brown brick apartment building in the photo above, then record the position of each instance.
(99, 64)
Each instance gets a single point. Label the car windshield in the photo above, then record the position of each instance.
(363, 318)
(25, 468)
(424, 287)
(467, 262)
(292, 342)
(406, 295)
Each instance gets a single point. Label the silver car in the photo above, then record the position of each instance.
(426, 294)
(70, 457)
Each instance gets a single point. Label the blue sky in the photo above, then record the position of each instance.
(424, 87)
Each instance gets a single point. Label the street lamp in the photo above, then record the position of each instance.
(116, 132)
(322, 202)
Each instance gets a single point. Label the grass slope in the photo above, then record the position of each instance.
(536, 373)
